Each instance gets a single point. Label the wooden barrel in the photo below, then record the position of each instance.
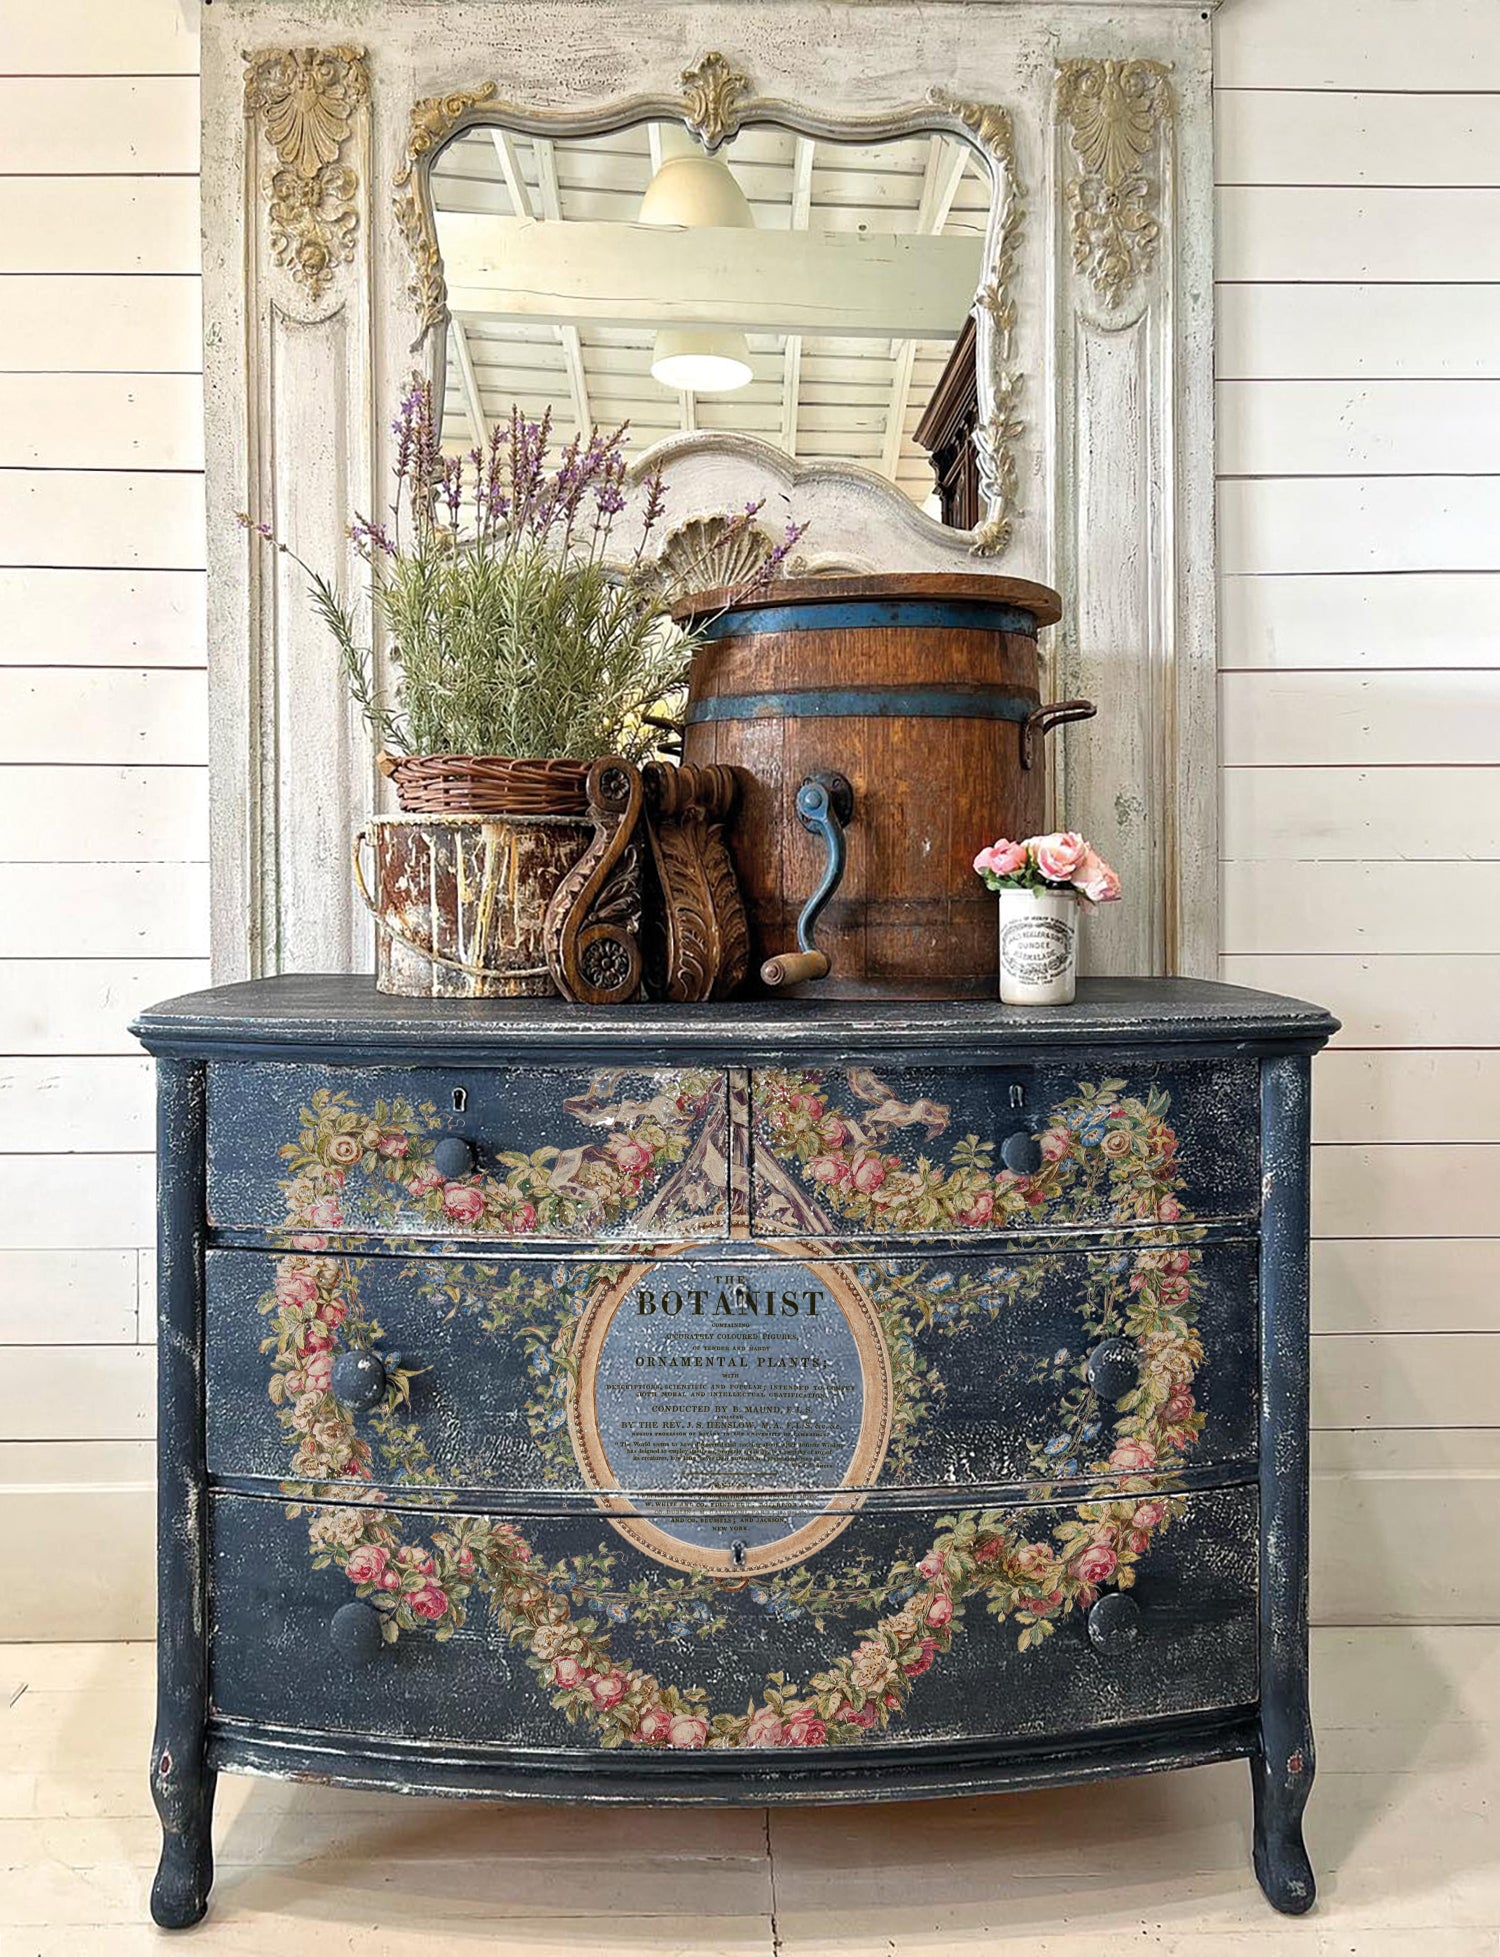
(919, 689)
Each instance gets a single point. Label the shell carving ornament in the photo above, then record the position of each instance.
(305, 101)
(580, 1629)
(1114, 112)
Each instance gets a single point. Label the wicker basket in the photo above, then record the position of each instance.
(486, 784)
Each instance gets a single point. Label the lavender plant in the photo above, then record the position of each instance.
(510, 629)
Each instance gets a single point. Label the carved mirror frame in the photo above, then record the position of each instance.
(1095, 325)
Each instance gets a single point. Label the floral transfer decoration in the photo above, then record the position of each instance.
(565, 1617)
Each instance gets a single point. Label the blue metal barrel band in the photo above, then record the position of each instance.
(932, 616)
(866, 702)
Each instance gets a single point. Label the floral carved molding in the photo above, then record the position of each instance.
(712, 94)
(305, 101)
(1114, 113)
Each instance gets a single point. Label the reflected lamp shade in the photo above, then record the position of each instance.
(701, 359)
(694, 190)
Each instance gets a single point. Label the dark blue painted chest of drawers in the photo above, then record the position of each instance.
(764, 1403)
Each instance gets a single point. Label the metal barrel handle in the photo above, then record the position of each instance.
(825, 804)
(1035, 725)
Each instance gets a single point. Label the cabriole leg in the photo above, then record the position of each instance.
(1281, 1865)
(182, 1785)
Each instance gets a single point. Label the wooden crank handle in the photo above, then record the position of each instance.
(792, 967)
(1035, 725)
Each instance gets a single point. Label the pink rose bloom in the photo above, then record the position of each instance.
(523, 1218)
(1096, 1564)
(914, 1667)
(463, 1202)
(390, 1579)
(1055, 1144)
(808, 1104)
(847, 1716)
(366, 1564)
(392, 1144)
(764, 1728)
(633, 1157)
(465, 1560)
(655, 1728)
(868, 1173)
(1148, 1516)
(324, 1213)
(1172, 1290)
(309, 1243)
(1096, 879)
(567, 1672)
(1169, 1209)
(804, 1728)
(424, 1181)
(317, 1337)
(1039, 1606)
(687, 1731)
(334, 1312)
(1001, 859)
(980, 1211)
(1033, 1559)
(940, 1609)
(828, 1168)
(298, 1288)
(832, 1130)
(1180, 1405)
(1058, 856)
(317, 1376)
(413, 1558)
(1133, 1455)
(429, 1601)
(932, 1563)
(989, 1550)
(608, 1688)
(345, 1150)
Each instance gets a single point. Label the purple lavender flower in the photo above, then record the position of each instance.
(368, 537)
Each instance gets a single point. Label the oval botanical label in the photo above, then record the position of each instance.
(1036, 950)
(710, 1371)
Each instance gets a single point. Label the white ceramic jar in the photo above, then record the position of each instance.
(1038, 947)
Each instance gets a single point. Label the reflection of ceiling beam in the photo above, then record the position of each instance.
(820, 282)
(687, 412)
(946, 163)
(791, 371)
(510, 169)
(572, 343)
(473, 400)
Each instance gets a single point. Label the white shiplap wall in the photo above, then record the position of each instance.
(1359, 554)
(1359, 404)
(103, 792)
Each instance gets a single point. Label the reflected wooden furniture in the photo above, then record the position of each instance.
(946, 431)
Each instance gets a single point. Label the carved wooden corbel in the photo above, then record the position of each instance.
(698, 940)
(593, 926)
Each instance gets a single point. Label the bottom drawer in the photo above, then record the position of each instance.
(557, 1633)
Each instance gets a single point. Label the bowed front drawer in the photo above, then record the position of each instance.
(917, 1627)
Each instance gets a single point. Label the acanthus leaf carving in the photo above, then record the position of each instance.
(434, 118)
(1114, 111)
(305, 101)
(712, 95)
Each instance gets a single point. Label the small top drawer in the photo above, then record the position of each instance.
(483, 1153)
(849, 1152)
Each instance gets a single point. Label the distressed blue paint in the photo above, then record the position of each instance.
(958, 615)
(866, 703)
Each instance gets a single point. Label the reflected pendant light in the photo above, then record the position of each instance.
(693, 190)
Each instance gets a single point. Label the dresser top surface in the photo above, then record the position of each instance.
(343, 1017)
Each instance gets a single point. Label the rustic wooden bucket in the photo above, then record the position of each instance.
(459, 901)
(924, 691)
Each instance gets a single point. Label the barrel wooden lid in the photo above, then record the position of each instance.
(967, 587)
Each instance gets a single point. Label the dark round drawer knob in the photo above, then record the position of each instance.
(359, 1378)
(1113, 1367)
(453, 1158)
(355, 1632)
(1114, 1623)
(1021, 1153)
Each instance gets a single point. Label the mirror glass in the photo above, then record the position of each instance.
(812, 294)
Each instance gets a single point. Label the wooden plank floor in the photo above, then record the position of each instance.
(1404, 1828)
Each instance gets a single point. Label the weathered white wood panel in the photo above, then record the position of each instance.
(103, 910)
(52, 1005)
(110, 518)
(89, 1296)
(1360, 814)
(1400, 45)
(1282, 232)
(105, 1203)
(1424, 618)
(101, 421)
(56, 125)
(78, 1106)
(78, 1392)
(104, 815)
(1440, 1379)
(1292, 136)
(1442, 1190)
(127, 324)
(109, 717)
(1370, 907)
(60, 616)
(99, 37)
(1357, 428)
(1444, 1096)
(109, 1527)
(1417, 1285)
(1425, 999)
(1342, 332)
(98, 224)
(1353, 719)
(1361, 523)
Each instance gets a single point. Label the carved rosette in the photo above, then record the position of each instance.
(304, 101)
(1114, 113)
(433, 120)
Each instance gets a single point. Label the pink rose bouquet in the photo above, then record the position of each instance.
(1062, 861)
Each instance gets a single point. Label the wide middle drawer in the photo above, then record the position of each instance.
(728, 1366)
